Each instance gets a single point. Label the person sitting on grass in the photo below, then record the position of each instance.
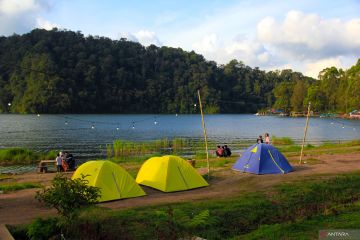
(227, 151)
(259, 139)
(219, 151)
(224, 151)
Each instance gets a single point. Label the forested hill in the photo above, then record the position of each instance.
(64, 72)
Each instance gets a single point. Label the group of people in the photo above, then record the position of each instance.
(64, 161)
(223, 151)
(261, 140)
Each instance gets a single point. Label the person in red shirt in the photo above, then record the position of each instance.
(219, 151)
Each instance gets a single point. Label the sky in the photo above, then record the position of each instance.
(304, 35)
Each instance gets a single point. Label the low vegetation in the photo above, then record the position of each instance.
(9, 187)
(349, 218)
(122, 150)
(282, 140)
(22, 156)
(278, 210)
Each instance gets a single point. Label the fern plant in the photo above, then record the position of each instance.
(175, 224)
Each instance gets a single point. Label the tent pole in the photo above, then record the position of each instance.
(305, 132)
(205, 136)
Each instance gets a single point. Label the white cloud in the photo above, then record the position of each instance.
(147, 38)
(308, 36)
(44, 24)
(209, 43)
(129, 37)
(144, 37)
(313, 68)
(281, 38)
(264, 57)
(14, 7)
(304, 42)
(249, 51)
(19, 16)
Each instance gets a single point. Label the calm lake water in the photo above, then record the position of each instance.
(86, 136)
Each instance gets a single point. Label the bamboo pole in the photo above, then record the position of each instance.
(205, 136)
(305, 132)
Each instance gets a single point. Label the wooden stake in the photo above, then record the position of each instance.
(305, 132)
(205, 136)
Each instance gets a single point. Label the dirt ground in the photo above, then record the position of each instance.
(21, 207)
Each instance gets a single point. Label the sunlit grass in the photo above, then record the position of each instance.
(22, 156)
(9, 187)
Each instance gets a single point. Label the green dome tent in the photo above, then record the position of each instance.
(169, 174)
(114, 182)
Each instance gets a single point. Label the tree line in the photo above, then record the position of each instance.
(62, 71)
(335, 91)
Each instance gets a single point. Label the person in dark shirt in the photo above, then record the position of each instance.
(227, 151)
(259, 139)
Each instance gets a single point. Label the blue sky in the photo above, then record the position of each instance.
(306, 35)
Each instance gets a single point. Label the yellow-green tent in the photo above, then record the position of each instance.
(114, 182)
(169, 174)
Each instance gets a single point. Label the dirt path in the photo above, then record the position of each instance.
(21, 207)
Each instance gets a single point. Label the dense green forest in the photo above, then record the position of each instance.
(62, 71)
(335, 91)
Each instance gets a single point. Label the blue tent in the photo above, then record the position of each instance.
(262, 159)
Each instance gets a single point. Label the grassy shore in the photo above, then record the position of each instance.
(22, 156)
(296, 209)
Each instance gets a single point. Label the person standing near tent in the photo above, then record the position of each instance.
(64, 164)
(267, 138)
(259, 139)
(58, 162)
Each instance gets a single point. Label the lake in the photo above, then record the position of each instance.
(86, 136)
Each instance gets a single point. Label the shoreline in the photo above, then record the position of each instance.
(27, 168)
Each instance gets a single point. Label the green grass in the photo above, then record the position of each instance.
(309, 228)
(288, 211)
(282, 140)
(328, 148)
(5, 177)
(232, 217)
(344, 144)
(122, 149)
(9, 187)
(22, 156)
(133, 159)
(216, 162)
(294, 210)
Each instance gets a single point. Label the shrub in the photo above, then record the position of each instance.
(68, 196)
(48, 156)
